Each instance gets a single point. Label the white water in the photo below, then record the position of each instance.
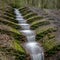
(36, 51)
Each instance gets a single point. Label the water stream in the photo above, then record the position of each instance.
(35, 50)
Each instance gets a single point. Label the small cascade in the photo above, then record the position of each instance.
(35, 50)
(25, 26)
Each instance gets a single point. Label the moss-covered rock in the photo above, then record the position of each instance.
(40, 24)
(34, 18)
(9, 23)
(29, 15)
(44, 33)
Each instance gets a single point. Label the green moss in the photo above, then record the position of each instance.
(14, 53)
(49, 44)
(9, 18)
(39, 24)
(17, 34)
(53, 51)
(15, 31)
(9, 23)
(44, 33)
(14, 34)
(51, 36)
(23, 9)
(9, 14)
(29, 15)
(17, 46)
(35, 18)
(38, 21)
(16, 49)
(26, 12)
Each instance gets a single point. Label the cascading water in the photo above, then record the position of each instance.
(36, 51)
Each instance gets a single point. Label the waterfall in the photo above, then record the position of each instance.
(35, 50)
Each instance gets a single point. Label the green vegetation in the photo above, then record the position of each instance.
(25, 9)
(16, 46)
(10, 51)
(34, 18)
(44, 33)
(13, 33)
(26, 12)
(9, 14)
(39, 24)
(29, 15)
(49, 44)
(53, 51)
(9, 23)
